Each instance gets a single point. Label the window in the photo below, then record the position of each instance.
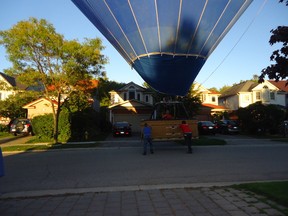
(272, 95)
(246, 98)
(138, 97)
(147, 98)
(131, 92)
(131, 95)
(213, 99)
(258, 96)
(125, 96)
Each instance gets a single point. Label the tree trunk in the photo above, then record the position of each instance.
(56, 120)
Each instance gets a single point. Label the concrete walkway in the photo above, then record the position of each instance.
(182, 198)
(206, 201)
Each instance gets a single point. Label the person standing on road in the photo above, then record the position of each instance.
(187, 133)
(147, 138)
(1, 164)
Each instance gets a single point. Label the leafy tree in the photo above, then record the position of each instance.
(39, 54)
(279, 70)
(260, 118)
(224, 88)
(12, 106)
(191, 101)
(213, 89)
(105, 86)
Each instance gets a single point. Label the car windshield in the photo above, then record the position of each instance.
(208, 123)
(121, 124)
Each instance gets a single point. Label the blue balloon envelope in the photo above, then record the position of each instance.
(166, 41)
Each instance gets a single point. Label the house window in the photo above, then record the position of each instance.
(246, 98)
(131, 92)
(112, 99)
(131, 95)
(146, 98)
(138, 96)
(203, 98)
(213, 99)
(125, 96)
(258, 96)
(272, 95)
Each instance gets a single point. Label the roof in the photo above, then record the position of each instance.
(130, 101)
(124, 88)
(241, 87)
(215, 107)
(35, 102)
(13, 81)
(282, 85)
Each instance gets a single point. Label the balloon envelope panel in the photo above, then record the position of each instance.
(166, 41)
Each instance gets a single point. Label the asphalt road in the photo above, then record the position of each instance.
(119, 163)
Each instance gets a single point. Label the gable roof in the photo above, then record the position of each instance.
(13, 81)
(241, 87)
(126, 87)
(280, 85)
(215, 107)
(131, 102)
(37, 101)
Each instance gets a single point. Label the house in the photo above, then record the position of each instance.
(209, 101)
(131, 103)
(206, 96)
(249, 92)
(38, 107)
(9, 85)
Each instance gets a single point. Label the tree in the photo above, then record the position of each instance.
(279, 70)
(40, 55)
(224, 88)
(12, 106)
(191, 101)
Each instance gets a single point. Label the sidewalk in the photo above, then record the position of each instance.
(222, 201)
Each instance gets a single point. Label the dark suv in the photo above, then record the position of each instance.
(121, 128)
(21, 126)
(227, 127)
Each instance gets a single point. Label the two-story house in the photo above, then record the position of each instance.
(206, 96)
(8, 86)
(209, 101)
(131, 103)
(249, 92)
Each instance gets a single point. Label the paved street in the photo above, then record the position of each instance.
(117, 174)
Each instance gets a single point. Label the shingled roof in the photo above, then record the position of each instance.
(241, 87)
(282, 85)
(13, 81)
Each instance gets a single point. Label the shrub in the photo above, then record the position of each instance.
(43, 127)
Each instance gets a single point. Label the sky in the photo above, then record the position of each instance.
(244, 51)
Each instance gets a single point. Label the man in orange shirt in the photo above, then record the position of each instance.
(187, 133)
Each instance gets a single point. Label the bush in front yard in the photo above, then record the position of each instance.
(43, 127)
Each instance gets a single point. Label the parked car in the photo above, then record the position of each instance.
(206, 127)
(121, 128)
(227, 127)
(21, 126)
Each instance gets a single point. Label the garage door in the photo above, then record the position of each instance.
(134, 120)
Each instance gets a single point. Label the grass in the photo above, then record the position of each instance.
(5, 134)
(275, 191)
(43, 147)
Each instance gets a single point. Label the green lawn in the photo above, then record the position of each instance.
(5, 134)
(275, 191)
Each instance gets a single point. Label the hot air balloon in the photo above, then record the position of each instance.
(166, 41)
